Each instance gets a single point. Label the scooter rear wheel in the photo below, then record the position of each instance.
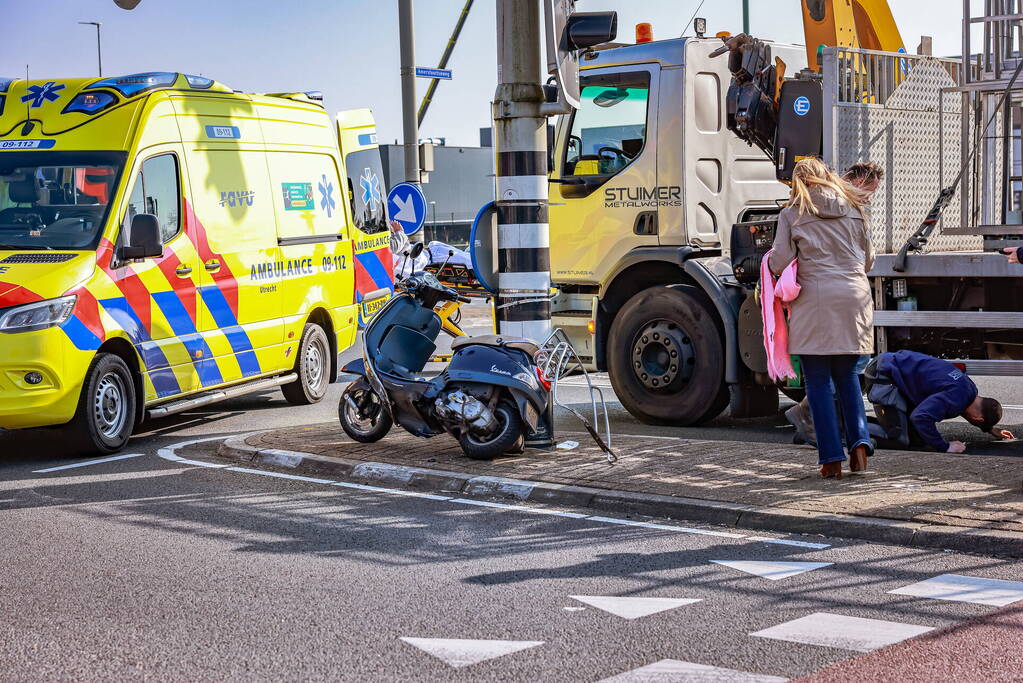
(500, 443)
(373, 423)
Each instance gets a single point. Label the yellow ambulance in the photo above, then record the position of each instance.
(167, 242)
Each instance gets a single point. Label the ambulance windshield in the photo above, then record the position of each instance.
(55, 200)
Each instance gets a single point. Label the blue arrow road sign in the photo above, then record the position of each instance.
(407, 205)
(424, 72)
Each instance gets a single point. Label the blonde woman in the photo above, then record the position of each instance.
(831, 323)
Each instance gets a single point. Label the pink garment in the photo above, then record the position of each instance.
(773, 297)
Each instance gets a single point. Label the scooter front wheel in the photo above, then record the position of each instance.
(368, 423)
(500, 443)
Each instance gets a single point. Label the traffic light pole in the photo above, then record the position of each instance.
(520, 140)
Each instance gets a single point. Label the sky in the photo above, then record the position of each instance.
(348, 49)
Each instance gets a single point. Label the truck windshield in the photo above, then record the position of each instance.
(56, 200)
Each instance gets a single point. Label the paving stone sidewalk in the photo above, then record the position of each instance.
(983, 492)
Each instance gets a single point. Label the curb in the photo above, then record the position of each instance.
(754, 517)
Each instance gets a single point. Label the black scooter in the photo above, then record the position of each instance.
(491, 397)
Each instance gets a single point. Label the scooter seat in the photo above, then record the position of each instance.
(528, 346)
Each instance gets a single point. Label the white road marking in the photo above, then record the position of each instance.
(280, 475)
(457, 653)
(785, 541)
(95, 461)
(170, 453)
(665, 527)
(959, 588)
(630, 607)
(773, 570)
(847, 633)
(671, 670)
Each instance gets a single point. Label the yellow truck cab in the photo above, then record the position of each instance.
(167, 242)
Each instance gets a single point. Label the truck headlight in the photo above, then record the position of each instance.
(38, 315)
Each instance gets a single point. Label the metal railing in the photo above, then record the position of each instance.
(872, 77)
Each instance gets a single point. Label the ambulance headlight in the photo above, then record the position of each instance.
(38, 315)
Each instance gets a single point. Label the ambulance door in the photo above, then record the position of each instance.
(366, 193)
(315, 263)
(604, 194)
(232, 223)
(157, 306)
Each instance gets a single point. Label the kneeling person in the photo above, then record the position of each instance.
(927, 390)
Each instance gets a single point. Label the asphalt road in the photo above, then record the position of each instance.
(147, 567)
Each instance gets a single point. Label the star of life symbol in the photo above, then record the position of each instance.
(327, 196)
(370, 188)
(37, 94)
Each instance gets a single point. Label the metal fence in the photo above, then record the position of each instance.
(896, 110)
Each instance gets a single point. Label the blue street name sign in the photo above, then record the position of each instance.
(424, 72)
(407, 205)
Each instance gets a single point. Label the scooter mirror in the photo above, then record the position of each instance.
(417, 250)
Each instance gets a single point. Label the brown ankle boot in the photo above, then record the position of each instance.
(858, 459)
(831, 470)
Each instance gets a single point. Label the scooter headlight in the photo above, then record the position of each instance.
(38, 315)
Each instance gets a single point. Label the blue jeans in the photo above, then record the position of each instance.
(818, 374)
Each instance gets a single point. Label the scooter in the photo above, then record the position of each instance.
(491, 396)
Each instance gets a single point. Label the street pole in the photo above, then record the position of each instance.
(745, 16)
(407, 37)
(99, 45)
(520, 142)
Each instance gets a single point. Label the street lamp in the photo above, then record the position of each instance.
(99, 46)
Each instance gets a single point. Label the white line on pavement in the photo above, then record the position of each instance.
(169, 453)
(95, 461)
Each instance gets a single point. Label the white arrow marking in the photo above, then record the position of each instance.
(458, 653)
(774, 570)
(89, 462)
(406, 209)
(675, 670)
(632, 608)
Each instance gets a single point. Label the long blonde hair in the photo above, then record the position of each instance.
(811, 172)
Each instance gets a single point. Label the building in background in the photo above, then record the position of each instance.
(462, 181)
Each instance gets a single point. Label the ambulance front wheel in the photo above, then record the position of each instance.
(106, 409)
(312, 367)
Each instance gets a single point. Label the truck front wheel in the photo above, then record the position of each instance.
(665, 358)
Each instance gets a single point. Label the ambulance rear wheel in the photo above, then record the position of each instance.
(665, 358)
(312, 367)
(106, 408)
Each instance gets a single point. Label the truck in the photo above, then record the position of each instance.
(167, 242)
(663, 205)
(647, 181)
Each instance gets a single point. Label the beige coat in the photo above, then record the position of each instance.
(834, 312)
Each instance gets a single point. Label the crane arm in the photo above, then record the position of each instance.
(867, 24)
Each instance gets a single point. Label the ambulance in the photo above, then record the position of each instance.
(167, 242)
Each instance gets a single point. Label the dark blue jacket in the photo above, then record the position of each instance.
(935, 389)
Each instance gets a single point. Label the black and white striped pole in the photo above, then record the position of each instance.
(520, 138)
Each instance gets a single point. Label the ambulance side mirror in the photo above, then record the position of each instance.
(143, 239)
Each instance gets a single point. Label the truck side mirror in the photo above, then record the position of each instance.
(143, 239)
